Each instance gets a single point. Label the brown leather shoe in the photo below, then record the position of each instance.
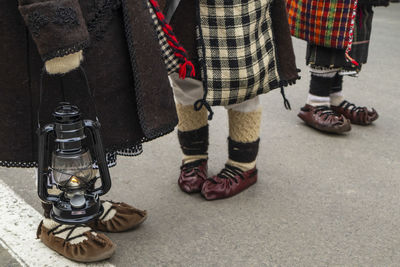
(193, 175)
(356, 115)
(229, 182)
(75, 242)
(118, 217)
(324, 119)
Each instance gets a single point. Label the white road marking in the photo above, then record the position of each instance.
(18, 226)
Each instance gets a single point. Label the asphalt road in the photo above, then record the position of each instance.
(321, 200)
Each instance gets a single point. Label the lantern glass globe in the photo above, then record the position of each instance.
(73, 170)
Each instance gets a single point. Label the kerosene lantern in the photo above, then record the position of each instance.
(69, 150)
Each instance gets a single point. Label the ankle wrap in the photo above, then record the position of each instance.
(243, 152)
(320, 86)
(337, 84)
(194, 142)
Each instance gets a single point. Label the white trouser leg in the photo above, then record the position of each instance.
(188, 91)
(246, 106)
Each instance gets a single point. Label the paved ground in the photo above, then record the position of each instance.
(321, 199)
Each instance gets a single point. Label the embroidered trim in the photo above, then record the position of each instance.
(103, 15)
(17, 164)
(37, 21)
(111, 158)
(131, 152)
(66, 51)
(66, 16)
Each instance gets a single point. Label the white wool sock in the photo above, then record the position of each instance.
(336, 98)
(315, 101)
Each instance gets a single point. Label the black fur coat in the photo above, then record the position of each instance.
(123, 63)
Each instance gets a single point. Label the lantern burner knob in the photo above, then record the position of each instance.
(78, 201)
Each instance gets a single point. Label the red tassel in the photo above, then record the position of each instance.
(193, 72)
(182, 70)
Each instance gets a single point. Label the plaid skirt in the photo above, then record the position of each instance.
(236, 50)
(323, 23)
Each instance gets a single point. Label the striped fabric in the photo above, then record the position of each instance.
(326, 22)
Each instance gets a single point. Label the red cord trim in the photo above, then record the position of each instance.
(186, 67)
(351, 35)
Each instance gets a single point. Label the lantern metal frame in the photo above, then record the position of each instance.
(62, 210)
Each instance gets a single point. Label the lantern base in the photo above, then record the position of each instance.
(63, 212)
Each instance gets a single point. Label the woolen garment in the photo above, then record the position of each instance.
(237, 50)
(323, 23)
(327, 23)
(122, 60)
(327, 57)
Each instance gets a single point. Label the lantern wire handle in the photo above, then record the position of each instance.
(91, 93)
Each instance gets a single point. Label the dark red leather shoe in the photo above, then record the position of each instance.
(193, 175)
(324, 119)
(229, 182)
(356, 115)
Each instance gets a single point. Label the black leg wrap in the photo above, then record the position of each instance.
(337, 84)
(243, 152)
(320, 86)
(194, 142)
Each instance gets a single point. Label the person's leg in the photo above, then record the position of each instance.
(244, 134)
(244, 137)
(192, 133)
(320, 85)
(336, 93)
(317, 112)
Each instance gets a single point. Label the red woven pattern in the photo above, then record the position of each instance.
(325, 23)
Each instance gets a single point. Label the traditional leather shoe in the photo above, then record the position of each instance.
(75, 242)
(229, 182)
(356, 115)
(118, 217)
(324, 119)
(193, 175)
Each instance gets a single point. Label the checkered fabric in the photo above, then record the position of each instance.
(236, 50)
(325, 23)
(172, 62)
